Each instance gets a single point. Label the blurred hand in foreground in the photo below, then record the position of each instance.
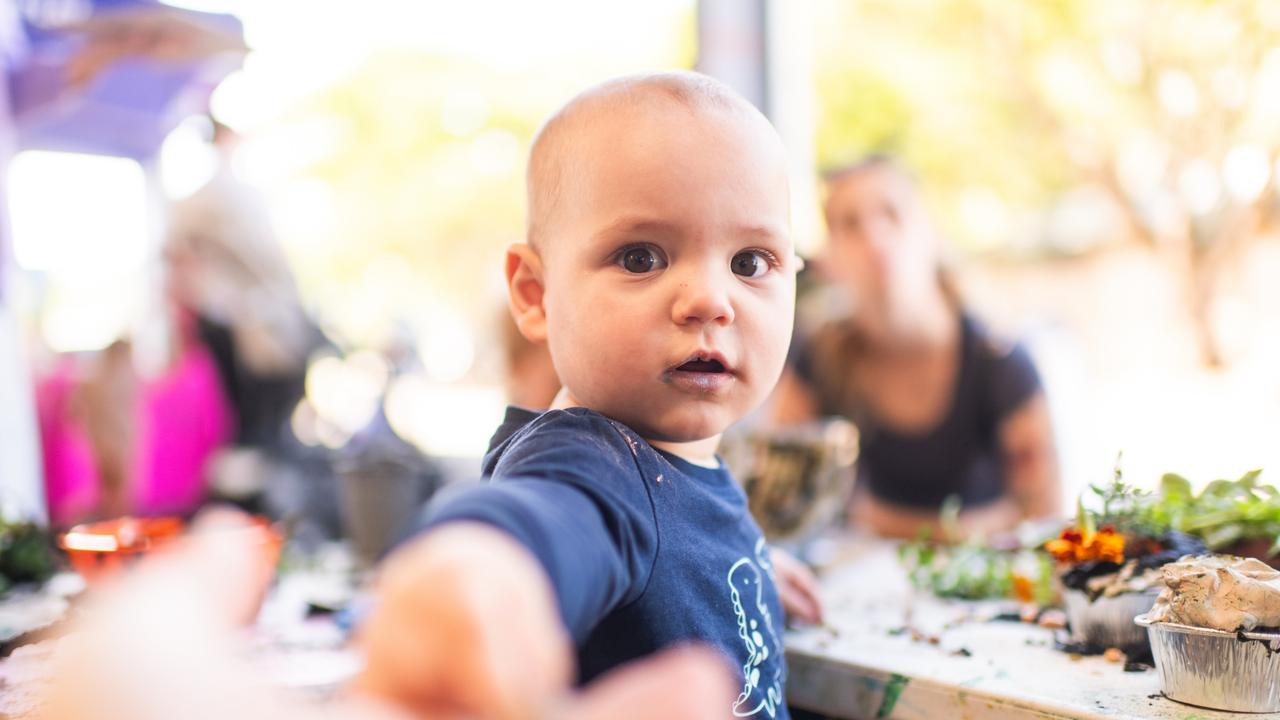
(464, 627)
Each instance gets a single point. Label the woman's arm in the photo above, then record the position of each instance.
(1030, 458)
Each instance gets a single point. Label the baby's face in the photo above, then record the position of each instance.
(670, 274)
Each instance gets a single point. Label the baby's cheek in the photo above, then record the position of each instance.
(771, 334)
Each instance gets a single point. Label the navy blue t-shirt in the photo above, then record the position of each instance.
(645, 550)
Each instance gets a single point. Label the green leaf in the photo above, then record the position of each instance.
(1209, 520)
(26, 553)
(1250, 478)
(1175, 487)
(949, 518)
(1218, 489)
(1223, 535)
(1084, 519)
(892, 691)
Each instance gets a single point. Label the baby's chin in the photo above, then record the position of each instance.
(683, 425)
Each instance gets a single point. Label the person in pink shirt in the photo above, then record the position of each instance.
(116, 443)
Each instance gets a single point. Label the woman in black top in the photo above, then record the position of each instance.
(944, 409)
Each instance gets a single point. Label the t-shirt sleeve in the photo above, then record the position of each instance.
(571, 492)
(1013, 379)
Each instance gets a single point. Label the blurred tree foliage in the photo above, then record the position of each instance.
(1058, 126)
(419, 169)
(412, 186)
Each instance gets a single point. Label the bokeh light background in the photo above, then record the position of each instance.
(1105, 174)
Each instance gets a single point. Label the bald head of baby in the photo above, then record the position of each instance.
(595, 122)
(659, 228)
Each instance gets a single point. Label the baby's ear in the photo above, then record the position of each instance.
(525, 290)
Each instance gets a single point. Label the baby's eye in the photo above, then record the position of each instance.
(639, 260)
(750, 263)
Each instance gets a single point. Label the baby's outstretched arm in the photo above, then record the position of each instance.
(466, 623)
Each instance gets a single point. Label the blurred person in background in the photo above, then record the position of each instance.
(105, 403)
(117, 442)
(233, 292)
(944, 409)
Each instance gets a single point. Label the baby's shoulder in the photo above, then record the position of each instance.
(575, 437)
(578, 425)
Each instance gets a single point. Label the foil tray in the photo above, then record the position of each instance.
(1108, 621)
(1239, 672)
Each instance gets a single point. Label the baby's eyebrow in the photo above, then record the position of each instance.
(663, 229)
(758, 232)
(638, 226)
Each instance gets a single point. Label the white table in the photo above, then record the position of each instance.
(843, 670)
(1012, 671)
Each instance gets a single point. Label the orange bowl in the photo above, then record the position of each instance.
(101, 548)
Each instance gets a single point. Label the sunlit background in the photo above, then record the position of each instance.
(1104, 171)
(389, 148)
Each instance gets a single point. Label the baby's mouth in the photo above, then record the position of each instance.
(703, 374)
(702, 366)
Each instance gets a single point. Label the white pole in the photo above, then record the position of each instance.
(792, 103)
(764, 50)
(21, 477)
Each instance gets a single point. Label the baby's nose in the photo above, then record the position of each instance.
(702, 300)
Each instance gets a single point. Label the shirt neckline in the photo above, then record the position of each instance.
(698, 471)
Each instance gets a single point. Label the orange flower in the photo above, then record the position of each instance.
(1024, 589)
(1108, 545)
(1075, 546)
(1062, 549)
